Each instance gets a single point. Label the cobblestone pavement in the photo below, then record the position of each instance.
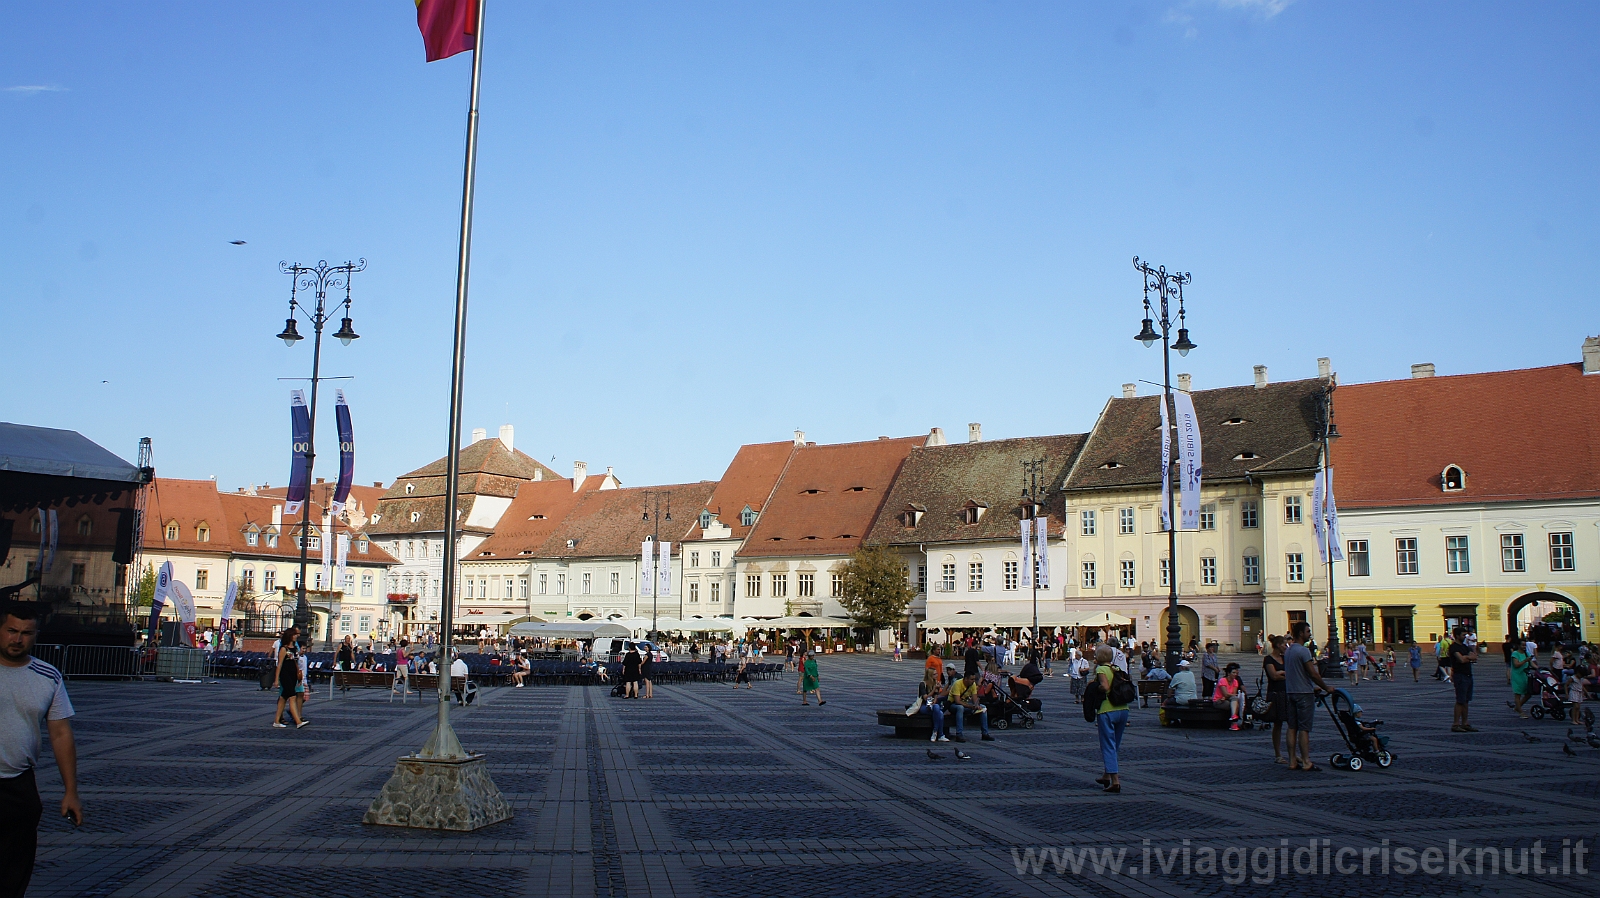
(708, 791)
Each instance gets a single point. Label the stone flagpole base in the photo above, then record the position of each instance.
(439, 793)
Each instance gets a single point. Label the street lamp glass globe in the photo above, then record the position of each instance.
(1147, 334)
(347, 333)
(291, 334)
(1184, 344)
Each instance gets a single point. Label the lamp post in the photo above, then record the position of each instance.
(1168, 287)
(1330, 432)
(652, 502)
(317, 280)
(1032, 498)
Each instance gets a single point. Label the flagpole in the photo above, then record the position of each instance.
(443, 743)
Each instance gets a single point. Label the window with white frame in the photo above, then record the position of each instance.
(837, 585)
(947, 577)
(1358, 559)
(1252, 570)
(1125, 525)
(1127, 573)
(1166, 572)
(1089, 579)
(805, 586)
(522, 587)
(975, 576)
(694, 592)
(1011, 572)
(366, 623)
(780, 586)
(715, 589)
(269, 580)
(922, 579)
(1562, 557)
(716, 558)
(1292, 510)
(348, 586)
(1208, 571)
(366, 586)
(345, 623)
(1512, 557)
(561, 584)
(1294, 567)
(1249, 514)
(694, 559)
(1405, 556)
(1086, 522)
(202, 579)
(616, 583)
(251, 537)
(247, 580)
(752, 586)
(544, 584)
(1208, 517)
(588, 582)
(1455, 555)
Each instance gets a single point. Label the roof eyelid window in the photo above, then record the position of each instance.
(1453, 479)
(1235, 422)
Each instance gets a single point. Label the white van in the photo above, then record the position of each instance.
(646, 648)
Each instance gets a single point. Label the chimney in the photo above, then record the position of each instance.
(1130, 390)
(799, 438)
(1591, 355)
(478, 433)
(378, 484)
(1183, 382)
(322, 480)
(505, 435)
(1261, 377)
(610, 473)
(538, 473)
(974, 433)
(935, 437)
(580, 471)
(1423, 369)
(277, 515)
(1324, 367)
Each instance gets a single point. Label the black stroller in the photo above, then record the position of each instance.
(1360, 736)
(1004, 704)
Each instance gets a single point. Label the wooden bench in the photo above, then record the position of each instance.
(1195, 713)
(1149, 688)
(918, 724)
(429, 684)
(345, 680)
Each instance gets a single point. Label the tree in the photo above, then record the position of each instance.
(876, 590)
(145, 592)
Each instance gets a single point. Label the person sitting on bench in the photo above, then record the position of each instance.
(1183, 685)
(464, 689)
(522, 669)
(964, 701)
(1230, 692)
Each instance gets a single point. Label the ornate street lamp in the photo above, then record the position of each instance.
(1167, 287)
(318, 281)
(652, 501)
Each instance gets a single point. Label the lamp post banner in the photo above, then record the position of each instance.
(339, 561)
(228, 600)
(1027, 552)
(665, 570)
(48, 534)
(1042, 541)
(327, 549)
(1166, 467)
(1188, 462)
(1319, 520)
(647, 569)
(300, 427)
(1331, 517)
(347, 454)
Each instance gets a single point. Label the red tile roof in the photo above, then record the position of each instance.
(828, 498)
(1532, 433)
(747, 483)
(190, 503)
(536, 512)
(610, 523)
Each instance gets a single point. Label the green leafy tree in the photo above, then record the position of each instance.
(145, 592)
(876, 590)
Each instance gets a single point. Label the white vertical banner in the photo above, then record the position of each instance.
(1042, 541)
(1027, 552)
(665, 570)
(1188, 462)
(183, 603)
(1166, 466)
(1318, 518)
(1331, 518)
(228, 600)
(327, 549)
(340, 559)
(647, 570)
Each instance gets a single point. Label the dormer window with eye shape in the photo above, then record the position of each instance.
(536, 517)
(1452, 479)
(1246, 455)
(1234, 422)
(1111, 465)
(972, 512)
(810, 492)
(856, 489)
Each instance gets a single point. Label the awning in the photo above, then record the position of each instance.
(801, 623)
(1000, 620)
(1101, 619)
(572, 630)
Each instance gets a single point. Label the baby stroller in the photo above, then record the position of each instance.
(1360, 736)
(1003, 706)
(1550, 701)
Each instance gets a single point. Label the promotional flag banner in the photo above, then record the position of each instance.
(163, 589)
(340, 560)
(347, 456)
(1331, 518)
(300, 428)
(183, 603)
(1166, 466)
(227, 602)
(1318, 517)
(448, 27)
(665, 570)
(1027, 552)
(647, 569)
(327, 552)
(1188, 462)
(49, 532)
(1042, 541)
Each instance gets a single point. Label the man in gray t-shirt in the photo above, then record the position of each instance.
(1301, 680)
(31, 692)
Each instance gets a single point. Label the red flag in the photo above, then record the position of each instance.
(448, 26)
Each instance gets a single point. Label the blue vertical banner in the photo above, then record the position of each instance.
(347, 456)
(299, 477)
(163, 588)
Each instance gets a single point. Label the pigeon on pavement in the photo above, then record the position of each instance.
(933, 755)
(1531, 738)
(1567, 750)
(962, 756)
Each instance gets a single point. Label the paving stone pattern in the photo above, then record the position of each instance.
(705, 792)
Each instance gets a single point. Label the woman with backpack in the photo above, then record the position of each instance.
(1108, 695)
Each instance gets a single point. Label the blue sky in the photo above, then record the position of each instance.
(704, 224)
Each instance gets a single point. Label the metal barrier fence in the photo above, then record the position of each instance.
(118, 662)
